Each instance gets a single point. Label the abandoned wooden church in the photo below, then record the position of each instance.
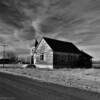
(51, 53)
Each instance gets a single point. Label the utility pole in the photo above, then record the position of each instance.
(4, 50)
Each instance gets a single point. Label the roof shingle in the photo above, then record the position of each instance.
(61, 46)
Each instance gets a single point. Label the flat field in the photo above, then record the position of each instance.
(88, 79)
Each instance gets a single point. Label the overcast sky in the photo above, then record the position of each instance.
(78, 21)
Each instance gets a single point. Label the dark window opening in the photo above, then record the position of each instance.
(42, 57)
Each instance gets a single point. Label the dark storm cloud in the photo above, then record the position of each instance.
(27, 33)
(10, 13)
(14, 18)
(1, 39)
(52, 24)
(74, 20)
(22, 51)
(93, 5)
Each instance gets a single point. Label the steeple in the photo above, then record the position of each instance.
(36, 43)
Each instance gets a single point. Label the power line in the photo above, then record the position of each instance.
(4, 50)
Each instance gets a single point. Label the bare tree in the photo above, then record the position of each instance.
(11, 56)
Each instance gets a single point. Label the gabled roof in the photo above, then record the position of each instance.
(61, 46)
(85, 54)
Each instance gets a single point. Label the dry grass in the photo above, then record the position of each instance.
(88, 79)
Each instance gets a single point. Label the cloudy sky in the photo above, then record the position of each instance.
(78, 21)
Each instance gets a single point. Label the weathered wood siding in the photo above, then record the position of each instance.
(62, 60)
(46, 51)
(85, 62)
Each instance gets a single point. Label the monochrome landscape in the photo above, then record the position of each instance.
(49, 50)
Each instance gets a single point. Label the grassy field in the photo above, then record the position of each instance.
(88, 79)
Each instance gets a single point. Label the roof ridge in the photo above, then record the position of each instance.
(57, 40)
(62, 46)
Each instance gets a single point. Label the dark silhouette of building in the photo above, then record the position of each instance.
(7, 61)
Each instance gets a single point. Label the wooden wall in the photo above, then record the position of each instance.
(65, 60)
(85, 62)
(46, 51)
(71, 60)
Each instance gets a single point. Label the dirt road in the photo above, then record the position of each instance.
(21, 88)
